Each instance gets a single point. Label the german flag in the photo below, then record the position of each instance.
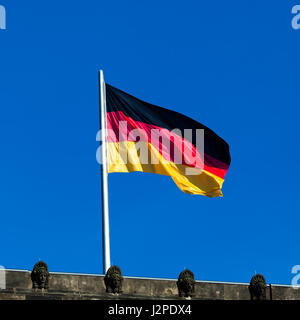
(146, 138)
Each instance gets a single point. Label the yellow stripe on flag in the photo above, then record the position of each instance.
(204, 183)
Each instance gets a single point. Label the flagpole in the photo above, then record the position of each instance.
(104, 173)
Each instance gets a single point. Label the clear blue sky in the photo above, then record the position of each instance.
(232, 65)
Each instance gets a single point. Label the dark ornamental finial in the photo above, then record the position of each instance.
(40, 276)
(186, 283)
(258, 287)
(113, 280)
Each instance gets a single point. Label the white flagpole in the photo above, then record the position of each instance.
(104, 173)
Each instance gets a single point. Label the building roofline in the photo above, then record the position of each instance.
(149, 278)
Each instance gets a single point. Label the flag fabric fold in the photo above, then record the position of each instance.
(147, 138)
